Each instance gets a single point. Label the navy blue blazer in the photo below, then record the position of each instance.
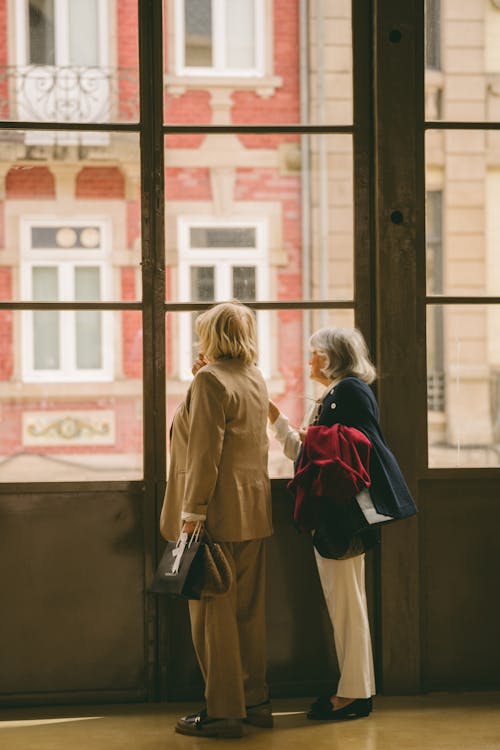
(352, 403)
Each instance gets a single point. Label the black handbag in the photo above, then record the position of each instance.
(194, 567)
(180, 570)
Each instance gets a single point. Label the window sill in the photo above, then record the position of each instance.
(264, 86)
(20, 391)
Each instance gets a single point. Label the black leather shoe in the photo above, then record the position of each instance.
(323, 710)
(201, 725)
(260, 715)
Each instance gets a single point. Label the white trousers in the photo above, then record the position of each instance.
(343, 583)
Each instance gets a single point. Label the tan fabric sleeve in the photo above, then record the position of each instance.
(207, 424)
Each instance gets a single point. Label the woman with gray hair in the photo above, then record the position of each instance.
(341, 363)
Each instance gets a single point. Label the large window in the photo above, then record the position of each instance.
(463, 278)
(61, 56)
(220, 37)
(220, 262)
(63, 32)
(71, 344)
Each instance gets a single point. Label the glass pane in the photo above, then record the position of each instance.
(240, 33)
(244, 283)
(69, 427)
(198, 33)
(45, 322)
(462, 81)
(45, 284)
(202, 283)
(212, 237)
(88, 339)
(433, 34)
(283, 207)
(46, 340)
(463, 221)
(70, 61)
(87, 284)
(202, 290)
(283, 358)
(73, 200)
(83, 32)
(41, 32)
(463, 371)
(258, 62)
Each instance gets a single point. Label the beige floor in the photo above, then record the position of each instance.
(467, 721)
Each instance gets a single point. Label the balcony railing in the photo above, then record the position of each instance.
(66, 94)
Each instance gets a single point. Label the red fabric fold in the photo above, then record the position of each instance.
(334, 465)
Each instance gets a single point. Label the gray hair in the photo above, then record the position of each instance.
(345, 353)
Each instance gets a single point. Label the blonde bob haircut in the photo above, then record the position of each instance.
(345, 353)
(227, 331)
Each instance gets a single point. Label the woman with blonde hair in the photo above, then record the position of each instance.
(341, 363)
(218, 477)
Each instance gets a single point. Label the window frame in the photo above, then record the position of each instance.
(223, 259)
(61, 41)
(219, 69)
(31, 258)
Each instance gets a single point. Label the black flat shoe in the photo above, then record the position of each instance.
(201, 725)
(322, 710)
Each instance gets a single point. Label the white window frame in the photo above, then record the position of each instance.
(34, 71)
(61, 15)
(219, 69)
(224, 259)
(58, 258)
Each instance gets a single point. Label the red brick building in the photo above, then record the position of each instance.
(70, 384)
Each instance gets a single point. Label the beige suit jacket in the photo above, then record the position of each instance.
(219, 454)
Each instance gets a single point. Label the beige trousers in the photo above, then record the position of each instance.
(229, 635)
(343, 583)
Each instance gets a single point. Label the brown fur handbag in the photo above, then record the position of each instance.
(217, 572)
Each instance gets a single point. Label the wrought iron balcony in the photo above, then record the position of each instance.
(66, 94)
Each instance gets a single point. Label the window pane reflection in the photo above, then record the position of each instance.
(71, 410)
(71, 225)
(70, 61)
(462, 81)
(462, 221)
(280, 211)
(464, 386)
(258, 61)
(198, 33)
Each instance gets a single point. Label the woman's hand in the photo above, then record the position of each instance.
(190, 526)
(273, 412)
(200, 362)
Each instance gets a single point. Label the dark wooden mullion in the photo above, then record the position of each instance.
(459, 300)
(258, 129)
(70, 305)
(153, 285)
(267, 305)
(364, 258)
(87, 127)
(399, 234)
(55, 488)
(461, 125)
